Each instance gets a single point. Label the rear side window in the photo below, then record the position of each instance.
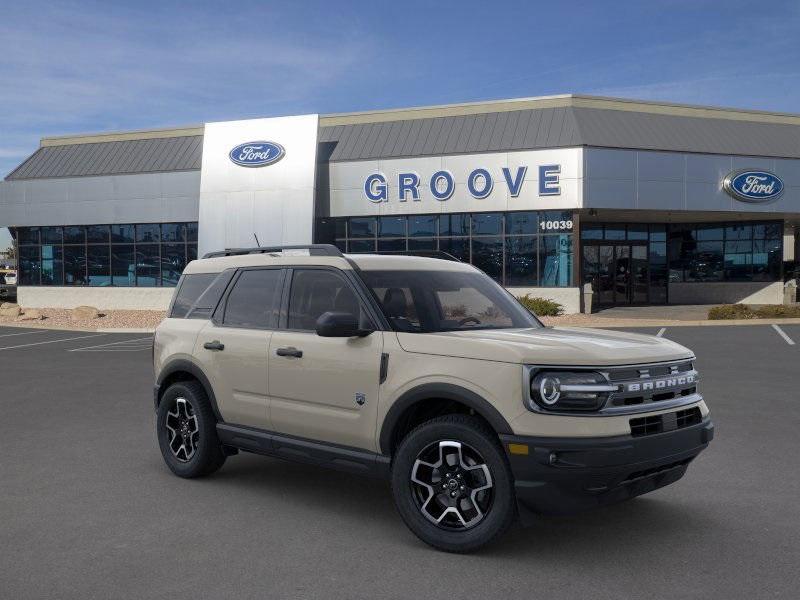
(189, 291)
(254, 300)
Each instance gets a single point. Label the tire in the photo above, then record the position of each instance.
(423, 493)
(199, 452)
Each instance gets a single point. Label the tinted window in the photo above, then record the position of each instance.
(432, 301)
(253, 301)
(189, 291)
(316, 291)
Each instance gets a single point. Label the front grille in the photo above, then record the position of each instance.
(667, 422)
(654, 383)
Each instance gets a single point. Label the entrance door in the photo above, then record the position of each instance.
(618, 272)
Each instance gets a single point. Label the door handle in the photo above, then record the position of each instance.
(215, 345)
(290, 351)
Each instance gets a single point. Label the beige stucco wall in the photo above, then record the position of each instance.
(569, 298)
(727, 292)
(108, 298)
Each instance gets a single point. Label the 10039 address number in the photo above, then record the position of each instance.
(556, 225)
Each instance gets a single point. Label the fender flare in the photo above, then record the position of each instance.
(186, 366)
(446, 391)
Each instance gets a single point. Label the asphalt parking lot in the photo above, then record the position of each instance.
(88, 510)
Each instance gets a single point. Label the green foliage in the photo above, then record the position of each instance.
(747, 311)
(541, 307)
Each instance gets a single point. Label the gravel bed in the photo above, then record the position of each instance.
(59, 318)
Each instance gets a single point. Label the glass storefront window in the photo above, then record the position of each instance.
(391, 227)
(521, 264)
(173, 261)
(51, 235)
(52, 265)
(122, 234)
(97, 234)
(74, 235)
(148, 265)
(397, 245)
(148, 233)
(487, 255)
(458, 247)
(555, 260)
(508, 246)
(522, 223)
(362, 227)
(98, 258)
(422, 226)
(75, 265)
(454, 225)
(105, 255)
(123, 265)
(487, 224)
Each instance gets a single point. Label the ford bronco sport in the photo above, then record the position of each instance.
(424, 371)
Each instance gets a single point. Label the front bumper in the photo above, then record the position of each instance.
(567, 475)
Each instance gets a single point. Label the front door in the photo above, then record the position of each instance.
(618, 272)
(324, 388)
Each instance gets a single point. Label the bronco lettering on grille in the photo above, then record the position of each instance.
(660, 384)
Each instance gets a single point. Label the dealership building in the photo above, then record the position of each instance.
(650, 203)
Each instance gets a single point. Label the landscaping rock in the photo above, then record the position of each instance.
(84, 313)
(31, 315)
(8, 304)
(11, 311)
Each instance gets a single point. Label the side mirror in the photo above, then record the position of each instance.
(340, 324)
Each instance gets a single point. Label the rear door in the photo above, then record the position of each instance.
(233, 347)
(324, 388)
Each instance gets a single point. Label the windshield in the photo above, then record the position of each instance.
(434, 301)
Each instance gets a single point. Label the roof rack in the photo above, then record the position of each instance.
(313, 250)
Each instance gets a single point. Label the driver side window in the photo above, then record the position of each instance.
(317, 291)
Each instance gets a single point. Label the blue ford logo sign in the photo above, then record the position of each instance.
(257, 154)
(753, 186)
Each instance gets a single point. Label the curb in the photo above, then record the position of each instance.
(665, 323)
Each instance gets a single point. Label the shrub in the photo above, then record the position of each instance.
(541, 307)
(747, 311)
(731, 311)
(779, 311)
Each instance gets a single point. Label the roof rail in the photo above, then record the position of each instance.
(313, 250)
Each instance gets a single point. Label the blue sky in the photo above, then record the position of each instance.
(74, 67)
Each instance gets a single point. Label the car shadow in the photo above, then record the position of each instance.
(605, 534)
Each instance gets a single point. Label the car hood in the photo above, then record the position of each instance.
(547, 346)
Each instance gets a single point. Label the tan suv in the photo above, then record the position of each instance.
(424, 371)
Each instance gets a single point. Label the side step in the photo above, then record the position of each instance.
(332, 456)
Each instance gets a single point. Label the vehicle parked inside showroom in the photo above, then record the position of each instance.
(423, 371)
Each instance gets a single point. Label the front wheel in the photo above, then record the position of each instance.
(452, 484)
(187, 431)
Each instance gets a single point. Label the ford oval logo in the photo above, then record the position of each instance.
(257, 154)
(753, 186)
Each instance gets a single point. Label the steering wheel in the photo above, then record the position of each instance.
(466, 320)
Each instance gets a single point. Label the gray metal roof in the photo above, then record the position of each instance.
(525, 124)
(560, 127)
(182, 153)
(488, 132)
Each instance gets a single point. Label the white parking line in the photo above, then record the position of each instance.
(24, 333)
(661, 332)
(121, 346)
(782, 333)
(82, 337)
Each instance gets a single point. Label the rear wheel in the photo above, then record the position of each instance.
(452, 484)
(187, 432)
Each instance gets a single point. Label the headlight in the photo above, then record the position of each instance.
(570, 390)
